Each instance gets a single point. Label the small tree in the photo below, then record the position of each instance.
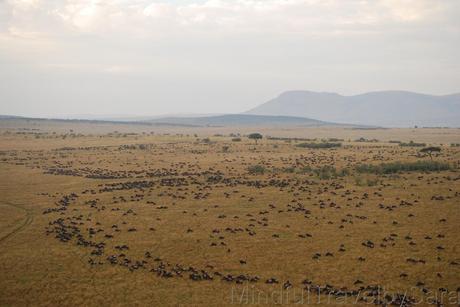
(430, 150)
(255, 136)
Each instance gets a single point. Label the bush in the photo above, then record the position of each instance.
(319, 145)
(236, 140)
(368, 182)
(396, 167)
(289, 169)
(324, 172)
(305, 170)
(412, 144)
(329, 172)
(256, 169)
(363, 140)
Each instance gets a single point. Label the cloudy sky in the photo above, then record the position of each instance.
(147, 57)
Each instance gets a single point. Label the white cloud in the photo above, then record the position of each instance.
(249, 50)
(239, 15)
(24, 4)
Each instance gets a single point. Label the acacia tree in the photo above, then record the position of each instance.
(430, 150)
(255, 136)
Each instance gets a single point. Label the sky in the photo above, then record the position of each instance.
(68, 58)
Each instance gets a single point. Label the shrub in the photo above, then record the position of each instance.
(289, 169)
(305, 169)
(396, 167)
(412, 144)
(366, 140)
(236, 140)
(324, 172)
(256, 169)
(319, 145)
(368, 182)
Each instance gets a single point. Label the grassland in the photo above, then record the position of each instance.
(174, 216)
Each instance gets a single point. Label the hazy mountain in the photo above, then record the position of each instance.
(216, 121)
(240, 120)
(387, 108)
(135, 118)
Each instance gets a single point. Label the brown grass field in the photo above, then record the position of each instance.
(161, 216)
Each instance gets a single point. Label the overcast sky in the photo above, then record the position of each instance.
(146, 57)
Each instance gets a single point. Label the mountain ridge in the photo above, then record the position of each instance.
(380, 108)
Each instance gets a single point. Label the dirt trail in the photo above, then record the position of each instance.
(21, 225)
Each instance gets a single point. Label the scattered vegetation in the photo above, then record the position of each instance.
(412, 144)
(257, 169)
(363, 140)
(366, 181)
(325, 172)
(396, 167)
(292, 139)
(319, 145)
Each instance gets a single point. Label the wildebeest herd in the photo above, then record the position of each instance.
(270, 214)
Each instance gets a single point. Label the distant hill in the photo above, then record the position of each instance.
(203, 121)
(386, 108)
(10, 117)
(241, 120)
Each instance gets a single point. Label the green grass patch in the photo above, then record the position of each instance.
(256, 169)
(396, 167)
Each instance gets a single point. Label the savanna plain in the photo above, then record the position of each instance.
(111, 215)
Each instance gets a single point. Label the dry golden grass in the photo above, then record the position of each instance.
(194, 204)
